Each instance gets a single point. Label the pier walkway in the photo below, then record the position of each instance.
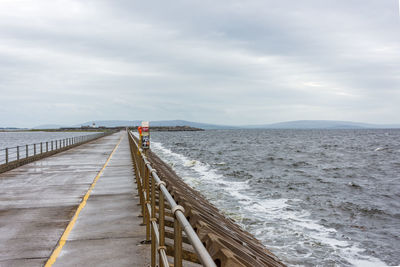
(78, 208)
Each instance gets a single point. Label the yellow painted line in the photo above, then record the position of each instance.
(71, 224)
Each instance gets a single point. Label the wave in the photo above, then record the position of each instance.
(276, 221)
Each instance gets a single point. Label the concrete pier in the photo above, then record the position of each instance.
(42, 201)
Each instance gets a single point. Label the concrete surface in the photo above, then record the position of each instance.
(38, 200)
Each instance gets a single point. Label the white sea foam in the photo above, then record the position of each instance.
(186, 167)
(268, 211)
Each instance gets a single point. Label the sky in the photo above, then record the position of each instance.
(222, 62)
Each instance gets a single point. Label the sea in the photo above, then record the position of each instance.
(312, 197)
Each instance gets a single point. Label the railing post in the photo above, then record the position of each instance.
(51, 145)
(47, 146)
(41, 147)
(146, 177)
(17, 152)
(153, 218)
(34, 149)
(177, 243)
(26, 151)
(6, 155)
(161, 217)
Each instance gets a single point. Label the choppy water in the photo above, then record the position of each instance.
(313, 197)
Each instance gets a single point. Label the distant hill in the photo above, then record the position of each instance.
(321, 124)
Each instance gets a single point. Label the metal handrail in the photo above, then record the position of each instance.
(147, 176)
(12, 154)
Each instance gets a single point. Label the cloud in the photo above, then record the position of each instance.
(231, 62)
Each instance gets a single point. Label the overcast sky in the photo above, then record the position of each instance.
(226, 62)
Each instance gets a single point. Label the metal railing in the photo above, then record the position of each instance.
(150, 186)
(12, 154)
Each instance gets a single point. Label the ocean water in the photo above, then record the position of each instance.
(313, 197)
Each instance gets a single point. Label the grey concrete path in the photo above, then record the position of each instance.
(38, 201)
